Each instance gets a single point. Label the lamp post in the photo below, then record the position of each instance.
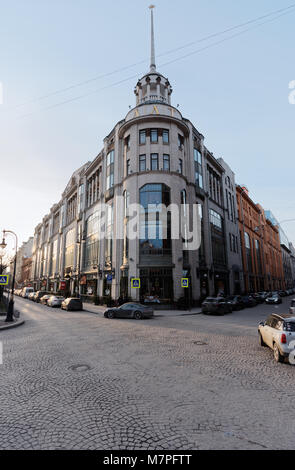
(10, 309)
(79, 242)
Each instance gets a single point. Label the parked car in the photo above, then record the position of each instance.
(26, 291)
(249, 301)
(130, 310)
(55, 301)
(282, 293)
(216, 305)
(292, 307)
(44, 299)
(263, 295)
(31, 296)
(275, 299)
(72, 303)
(257, 297)
(277, 332)
(235, 301)
(38, 295)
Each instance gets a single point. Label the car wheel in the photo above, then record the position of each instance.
(111, 314)
(138, 315)
(261, 342)
(276, 353)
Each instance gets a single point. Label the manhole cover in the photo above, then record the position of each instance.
(80, 367)
(200, 343)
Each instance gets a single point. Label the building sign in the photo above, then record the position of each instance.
(135, 283)
(185, 282)
(62, 285)
(4, 279)
(83, 280)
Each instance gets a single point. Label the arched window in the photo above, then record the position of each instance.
(155, 223)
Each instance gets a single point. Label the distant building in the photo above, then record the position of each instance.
(23, 263)
(260, 246)
(286, 252)
(232, 232)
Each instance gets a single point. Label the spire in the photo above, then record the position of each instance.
(153, 59)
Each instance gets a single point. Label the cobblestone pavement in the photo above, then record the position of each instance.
(80, 381)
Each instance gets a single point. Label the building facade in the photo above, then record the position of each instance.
(260, 246)
(285, 251)
(153, 156)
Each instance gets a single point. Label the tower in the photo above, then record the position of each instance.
(153, 87)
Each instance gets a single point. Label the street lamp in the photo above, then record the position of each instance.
(10, 309)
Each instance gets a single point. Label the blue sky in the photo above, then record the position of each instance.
(235, 93)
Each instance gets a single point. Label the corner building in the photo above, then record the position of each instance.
(153, 156)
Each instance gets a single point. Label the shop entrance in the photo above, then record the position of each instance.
(156, 285)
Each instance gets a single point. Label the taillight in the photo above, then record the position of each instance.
(283, 339)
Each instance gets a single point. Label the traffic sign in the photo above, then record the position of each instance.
(135, 283)
(4, 279)
(185, 282)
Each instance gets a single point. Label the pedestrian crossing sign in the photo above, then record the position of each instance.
(135, 283)
(4, 279)
(185, 282)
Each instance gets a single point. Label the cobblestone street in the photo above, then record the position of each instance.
(80, 381)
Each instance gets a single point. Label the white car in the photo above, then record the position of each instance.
(55, 301)
(26, 291)
(277, 332)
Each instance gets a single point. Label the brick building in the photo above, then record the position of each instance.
(260, 246)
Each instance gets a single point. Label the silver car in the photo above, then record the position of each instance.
(55, 301)
(277, 332)
(292, 308)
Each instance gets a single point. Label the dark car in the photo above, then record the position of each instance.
(249, 301)
(275, 299)
(130, 310)
(282, 293)
(263, 295)
(72, 303)
(235, 301)
(39, 294)
(216, 305)
(256, 296)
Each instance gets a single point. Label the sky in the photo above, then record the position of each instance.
(235, 92)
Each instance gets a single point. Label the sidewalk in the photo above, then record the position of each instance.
(100, 309)
(8, 326)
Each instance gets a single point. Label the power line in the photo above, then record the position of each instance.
(76, 98)
(205, 38)
(225, 39)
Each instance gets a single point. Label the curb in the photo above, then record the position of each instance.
(12, 325)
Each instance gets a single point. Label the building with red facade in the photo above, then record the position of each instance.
(260, 246)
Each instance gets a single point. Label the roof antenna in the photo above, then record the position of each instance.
(153, 59)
